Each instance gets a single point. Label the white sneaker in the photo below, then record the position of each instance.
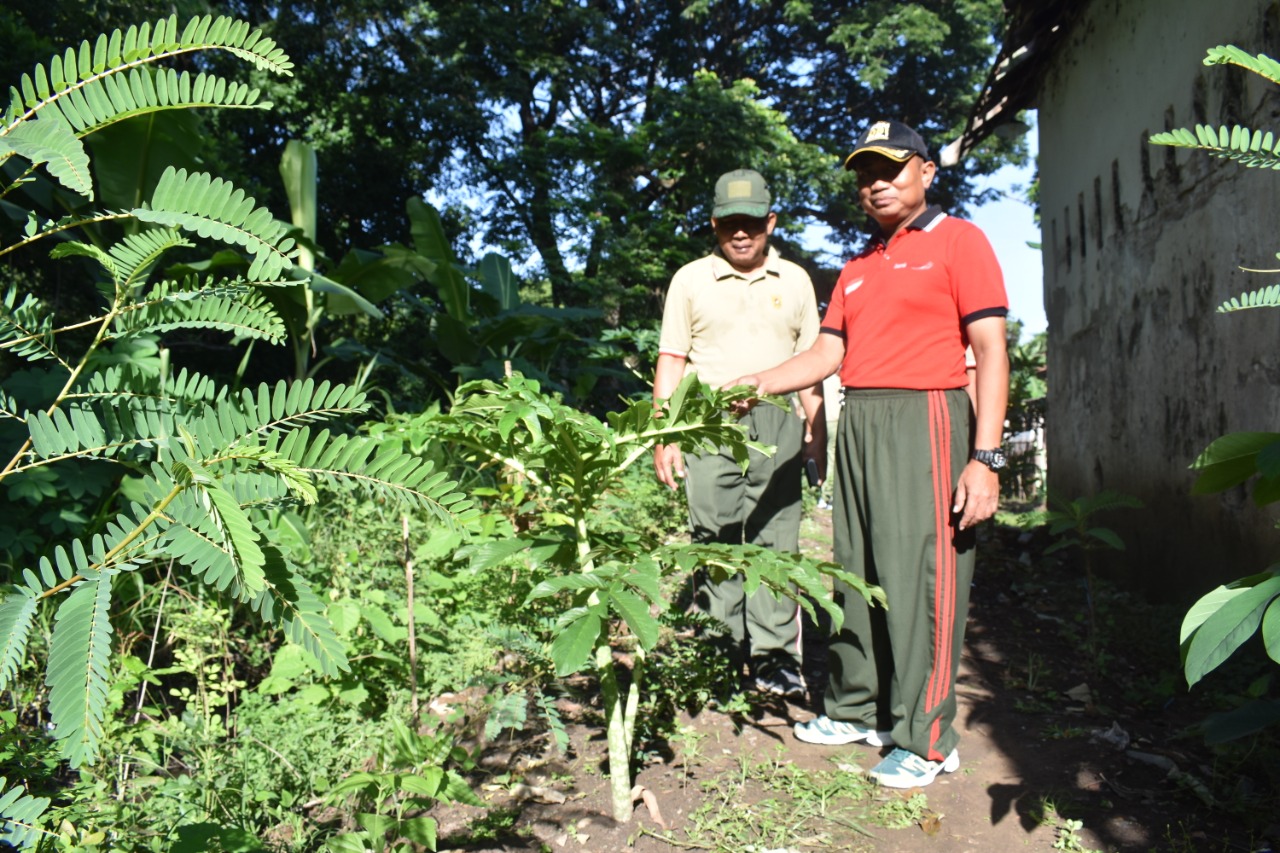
(903, 769)
(831, 732)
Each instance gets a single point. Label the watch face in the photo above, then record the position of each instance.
(993, 459)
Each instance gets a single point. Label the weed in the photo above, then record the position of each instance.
(772, 803)
(899, 813)
(493, 825)
(1066, 830)
(1055, 731)
(688, 742)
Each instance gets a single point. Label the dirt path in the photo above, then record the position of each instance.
(1047, 741)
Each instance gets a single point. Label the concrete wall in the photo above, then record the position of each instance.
(1141, 243)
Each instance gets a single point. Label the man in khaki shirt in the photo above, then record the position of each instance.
(740, 306)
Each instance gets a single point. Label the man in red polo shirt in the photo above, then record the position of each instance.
(915, 471)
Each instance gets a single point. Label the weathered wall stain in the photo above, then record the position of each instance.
(1141, 244)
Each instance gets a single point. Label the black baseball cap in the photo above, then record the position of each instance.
(893, 139)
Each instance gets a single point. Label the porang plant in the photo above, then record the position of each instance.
(1221, 621)
(558, 464)
(185, 470)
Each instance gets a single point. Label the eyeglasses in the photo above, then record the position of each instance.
(750, 224)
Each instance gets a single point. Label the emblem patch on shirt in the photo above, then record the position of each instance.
(852, 286)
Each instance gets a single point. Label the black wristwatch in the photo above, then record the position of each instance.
(993, 459)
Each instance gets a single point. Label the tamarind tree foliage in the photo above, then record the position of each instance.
(199, 466)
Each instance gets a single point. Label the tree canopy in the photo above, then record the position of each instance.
(581, 138)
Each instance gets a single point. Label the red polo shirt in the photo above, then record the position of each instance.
(902, 306)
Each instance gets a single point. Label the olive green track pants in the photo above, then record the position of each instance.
(899, 455)
(760, 507)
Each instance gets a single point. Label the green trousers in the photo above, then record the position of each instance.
(899, 456)
(760, 507)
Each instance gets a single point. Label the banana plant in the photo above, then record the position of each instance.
(608, 588)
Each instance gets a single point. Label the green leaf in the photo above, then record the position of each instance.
(1212, 601)
(17, 611)
(578, 635)
(1246, 720)
(1107, 536)
(575, 581)
(343, 300)
(497, 280)
(420, 830)
(457, 790)
(214, 208)
(646, 577)
(1271, 631)
(53, 143)
(20, 816)
(289, 602)
(298, 173)
(635, 612)
(492, 553)
(429, 239)
(377, 825)
(1261, 64)
(425, 785)
(1227, 627)
(349, 842)
(240, 535)
(1230, 460)
(77, 670)
(675, 405)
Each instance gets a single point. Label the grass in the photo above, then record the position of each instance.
(772, 803)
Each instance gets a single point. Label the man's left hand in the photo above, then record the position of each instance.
(977, 494)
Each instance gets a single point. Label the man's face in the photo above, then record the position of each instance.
(892, 193)
(744, 240)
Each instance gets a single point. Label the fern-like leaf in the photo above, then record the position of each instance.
(357, 462)
(129, 261)
(106, 100)
(79, 652)
(72, 71)
(19, 816)
(213, 208)
(194, 541)
(1232, 55)
(1267, 297)
(286, 600)
(51, 143)
(137, 254)
(130, 541)
(74, 430)
(119, 384)
(234, 534)
(26, 327)
(17, 610)
(1252, 148)
(244, 312)
(242, 419)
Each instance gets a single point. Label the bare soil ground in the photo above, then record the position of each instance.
(1049, 735)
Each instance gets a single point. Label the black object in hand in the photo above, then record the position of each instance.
(811, 471)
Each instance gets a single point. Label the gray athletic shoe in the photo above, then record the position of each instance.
(782, 682)
(903, 769)
(831, 732)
